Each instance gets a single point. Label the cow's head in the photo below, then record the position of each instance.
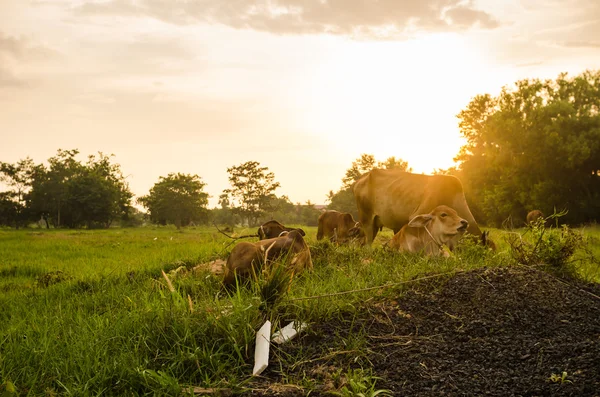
(443, 224)
(356, 233)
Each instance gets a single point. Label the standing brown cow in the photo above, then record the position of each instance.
(338, 227)
(391, 198)
(430, 232)
(247, 258)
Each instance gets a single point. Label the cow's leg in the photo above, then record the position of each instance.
(376, 226)
(375, 229)
(368, 225)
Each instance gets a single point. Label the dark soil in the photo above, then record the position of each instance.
(496, 332)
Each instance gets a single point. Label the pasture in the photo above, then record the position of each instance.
(89, 312)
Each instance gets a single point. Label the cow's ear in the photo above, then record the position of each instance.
(420, 220)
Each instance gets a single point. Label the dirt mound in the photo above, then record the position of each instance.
(501, 332)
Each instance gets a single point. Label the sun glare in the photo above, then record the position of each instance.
(395, 99)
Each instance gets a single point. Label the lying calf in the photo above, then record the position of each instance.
(429, 232)
(247, 258)
(273, 229)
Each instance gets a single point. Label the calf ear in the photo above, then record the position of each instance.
(420, 220)
(301, 232)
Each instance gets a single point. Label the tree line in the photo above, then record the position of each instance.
(69, 193)
(534, 146)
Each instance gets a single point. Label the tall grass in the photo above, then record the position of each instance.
(90, 313)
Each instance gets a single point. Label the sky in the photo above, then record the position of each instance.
(304, 87)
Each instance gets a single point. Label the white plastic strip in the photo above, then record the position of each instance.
(288, 332)
(261, 352)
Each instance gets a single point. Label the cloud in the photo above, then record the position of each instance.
(579, 35)
(580, 44)
(529, 64)
(23, 49)
(8, 79)
(10, 46)
(465, 17)
(382, 18)
(14, 54)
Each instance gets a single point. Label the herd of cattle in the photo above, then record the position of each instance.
(426, 213)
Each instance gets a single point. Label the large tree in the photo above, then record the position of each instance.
(535, 146)
(178, 199)
(343, 199)
(50, 189)
(252, 191)
(67, 192)
(97, 194)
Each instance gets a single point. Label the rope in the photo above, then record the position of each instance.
(378, 287)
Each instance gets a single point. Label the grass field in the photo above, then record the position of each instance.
(89, 313)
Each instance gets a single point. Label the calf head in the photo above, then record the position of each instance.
(443, 224)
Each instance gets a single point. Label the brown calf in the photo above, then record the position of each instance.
(429, 232)
(339, 227)
(273, 229)
(247, 258)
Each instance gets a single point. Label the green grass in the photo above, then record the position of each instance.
(89, 313)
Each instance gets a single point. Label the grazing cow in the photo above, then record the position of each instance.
(533, 216)
(247, 258)
(391, 198)
(339, 227)
(430, 232)
(273, 229)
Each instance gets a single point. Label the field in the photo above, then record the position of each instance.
(90, 313)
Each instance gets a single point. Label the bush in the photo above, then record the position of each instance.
(552, 249)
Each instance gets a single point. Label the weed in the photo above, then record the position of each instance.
(559, 378)
(52, 278)
(550, 248)
(359, 383)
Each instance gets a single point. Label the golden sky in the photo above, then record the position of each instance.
(301, 86)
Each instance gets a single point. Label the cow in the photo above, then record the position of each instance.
(391, 198)
(339, 227)
(273, 229)
(429, 232)
(246, 258)
(533, 216)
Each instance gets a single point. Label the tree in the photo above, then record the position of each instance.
(18, 177)
(69, 193)
(66, 192)
(251, 191)
(362, 165)
(308, 214)
(97, 194)
(9, 209)
(536, 146)
(343, 199)
(394, 163)
(224, 215)
(178, 199)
